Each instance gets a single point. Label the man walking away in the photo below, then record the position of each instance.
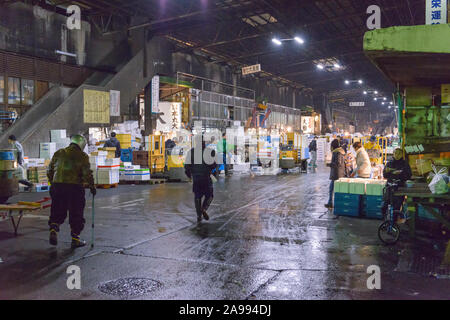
(113, 143)
(18, 151)
(69, 169)
(313, 151)
(199, 165)
(337, 168)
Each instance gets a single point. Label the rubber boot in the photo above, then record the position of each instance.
(53, 238)
(198, 208)
(77, 242)
(205, 207)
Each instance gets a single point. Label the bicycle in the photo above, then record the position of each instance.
(389, 230)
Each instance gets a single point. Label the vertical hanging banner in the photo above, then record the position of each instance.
(114, 100)
(96, 106)
(155, 94)
(436, 12)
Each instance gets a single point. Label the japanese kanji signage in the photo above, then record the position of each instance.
(436, 12)
(155, 94)
(251, 69)
(356, 104)
(96, 106)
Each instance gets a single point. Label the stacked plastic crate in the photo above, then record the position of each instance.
(359, 197)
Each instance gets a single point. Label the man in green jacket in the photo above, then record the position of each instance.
(69, 170)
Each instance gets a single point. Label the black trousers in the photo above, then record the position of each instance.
(67, 198)
(203, 187)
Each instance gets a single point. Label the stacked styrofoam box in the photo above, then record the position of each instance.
(60, 138)
(35, 162)
(322, 148)
(96, 161)
(47, 150)
(106, 176)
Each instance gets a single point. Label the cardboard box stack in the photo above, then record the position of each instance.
(107, 171)
(37, 173)
(355, 197)
(110, 152)
(130, 172)
(140, 158)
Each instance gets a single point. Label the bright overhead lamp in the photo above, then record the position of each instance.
(347, 82)
(375, 99)
(360, 81)
(365, 92)
(382, 103)
(319, 66)
(276, 41)
(389, 107)
(376, 92)
(299, 40)
(337, 65)
(384, 98)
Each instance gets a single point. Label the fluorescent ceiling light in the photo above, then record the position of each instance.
(319, 66)
(360, 81)
(299, 40)
(365, 92)
(347, 82)
(276, 41)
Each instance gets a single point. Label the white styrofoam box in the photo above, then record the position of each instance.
(106, 176)
(241, 167)
(112, 162)
(56, 135)
(97, 160)
(93, 167)
(135, 145)
(35, 162)
(47, 150)
(103, 153)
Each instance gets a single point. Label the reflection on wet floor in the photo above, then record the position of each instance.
(269, 237)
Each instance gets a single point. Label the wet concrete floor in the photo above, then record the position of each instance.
(269, 237)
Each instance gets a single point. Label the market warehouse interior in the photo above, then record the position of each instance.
(224, 149)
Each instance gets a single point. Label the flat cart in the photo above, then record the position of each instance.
(17, 210)
(437, 205)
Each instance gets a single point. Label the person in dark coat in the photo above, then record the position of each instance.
(114, 143)
(199, 165)
(397, 170)
(68, 171)
(313, 152)
(337, 168)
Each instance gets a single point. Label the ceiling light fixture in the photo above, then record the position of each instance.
(299, 40)
(276, 41)
(319, 66)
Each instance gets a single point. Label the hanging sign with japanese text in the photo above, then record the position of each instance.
(436, 12)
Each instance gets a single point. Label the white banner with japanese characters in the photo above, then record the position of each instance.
(114, 102)
(436, 12)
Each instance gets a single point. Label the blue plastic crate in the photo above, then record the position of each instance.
(346, 211)
(373, 214)
(126, 155)
(347, 200)
(373, 201)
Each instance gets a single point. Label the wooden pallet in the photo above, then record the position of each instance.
(106, 186)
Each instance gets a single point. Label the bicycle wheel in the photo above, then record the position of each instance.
(388, 233)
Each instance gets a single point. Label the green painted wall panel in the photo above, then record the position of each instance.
(422, 38)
